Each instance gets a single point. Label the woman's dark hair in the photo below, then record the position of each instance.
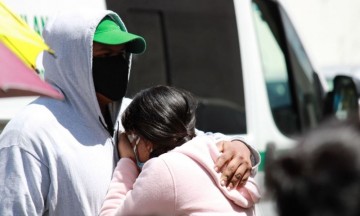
(163, 115)
(321, 175)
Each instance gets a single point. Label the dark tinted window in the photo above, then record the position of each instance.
(293, 88)
(192, 44)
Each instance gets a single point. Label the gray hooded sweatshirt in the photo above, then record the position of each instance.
(56, 157)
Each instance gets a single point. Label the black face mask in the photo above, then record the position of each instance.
(111, 76)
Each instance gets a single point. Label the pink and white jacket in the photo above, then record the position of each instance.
(180, 182)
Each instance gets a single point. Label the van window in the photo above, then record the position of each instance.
(195, 48)
(308, 88)
(290, 81)
(275, 73)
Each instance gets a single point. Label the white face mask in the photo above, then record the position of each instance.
(135, 138)
(132, 137)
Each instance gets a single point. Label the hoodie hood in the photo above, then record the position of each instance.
(70, 34)
(203, 150)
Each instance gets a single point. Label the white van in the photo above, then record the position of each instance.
(241, 58)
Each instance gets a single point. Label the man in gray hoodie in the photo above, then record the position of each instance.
(57, 157)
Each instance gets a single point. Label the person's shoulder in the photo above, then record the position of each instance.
(169, 169)
(178, 163)
(158, 169)
(31, 117)
(172, 156)
(30, 122)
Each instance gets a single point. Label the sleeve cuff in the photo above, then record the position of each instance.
(254, 157)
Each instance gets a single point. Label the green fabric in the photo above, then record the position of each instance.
(108, 32)
(262, 164)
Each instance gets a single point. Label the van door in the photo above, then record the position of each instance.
(294, 90)
(194, 44)
(195, 48)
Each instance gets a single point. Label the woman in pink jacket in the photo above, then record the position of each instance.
(178, 177)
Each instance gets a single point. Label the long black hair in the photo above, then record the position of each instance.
(163, 115)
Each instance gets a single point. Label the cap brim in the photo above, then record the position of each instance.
(134, 43)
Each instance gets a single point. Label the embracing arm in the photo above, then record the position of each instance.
(249, 150)
(238, 160)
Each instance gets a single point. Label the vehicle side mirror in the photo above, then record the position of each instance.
(342, 103)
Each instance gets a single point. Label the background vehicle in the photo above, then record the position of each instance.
(331, 72)
(241, 58)
(353, 76)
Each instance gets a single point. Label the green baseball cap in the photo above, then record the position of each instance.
(109, 32)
